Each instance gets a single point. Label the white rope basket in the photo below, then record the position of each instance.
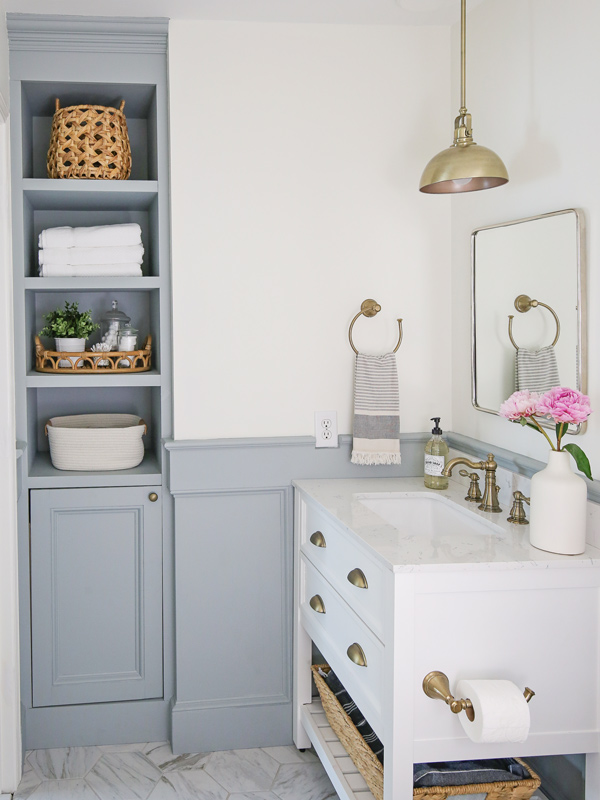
(96, 441)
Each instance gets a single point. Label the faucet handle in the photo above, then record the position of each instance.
(517, 512)
(474, 493)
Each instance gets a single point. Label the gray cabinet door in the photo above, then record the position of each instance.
(96, 595)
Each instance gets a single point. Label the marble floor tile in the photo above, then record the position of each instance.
(253, 796)
(302, 782)
(29, 781)
(191, 784)
(161, 755)
(123, 748)
(123, 776)
(64, 790)
(64, 762)
(290, 755)
(250, 770)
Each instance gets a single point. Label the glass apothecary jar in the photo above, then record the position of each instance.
(111, 325)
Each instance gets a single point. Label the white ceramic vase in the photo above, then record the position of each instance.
(68, 346)
(558, 507)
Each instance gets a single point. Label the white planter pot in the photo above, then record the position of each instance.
(558, 507)
(68, 346)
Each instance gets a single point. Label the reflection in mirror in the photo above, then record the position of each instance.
(528, 296)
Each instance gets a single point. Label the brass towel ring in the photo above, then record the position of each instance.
(523, 303)
(369, 308)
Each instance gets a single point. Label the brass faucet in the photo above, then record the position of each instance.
(490, 494)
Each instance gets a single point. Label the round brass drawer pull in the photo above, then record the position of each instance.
(153, 497)
(317, 604)
(318, 539)
(357, 655)
(358, 578)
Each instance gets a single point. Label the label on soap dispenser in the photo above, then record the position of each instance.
(434, 464)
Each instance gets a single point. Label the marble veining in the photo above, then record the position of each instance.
(188, 785)
(249, 770)
(498, 545)
(64, 762)
(76, 789)
(161, 755)
(123, 776)
(150, 771)
(315, 785)
(30, 781)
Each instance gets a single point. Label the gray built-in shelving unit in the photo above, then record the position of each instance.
(96, 631)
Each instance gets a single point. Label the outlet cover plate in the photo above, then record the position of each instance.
(326, 430)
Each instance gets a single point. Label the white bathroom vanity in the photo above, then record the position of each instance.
(444, 587)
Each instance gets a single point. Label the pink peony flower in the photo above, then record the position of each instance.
(564, 405)
(520, 404)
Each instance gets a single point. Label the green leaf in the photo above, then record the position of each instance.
(523, 421)
(582, 461)
(561, 429)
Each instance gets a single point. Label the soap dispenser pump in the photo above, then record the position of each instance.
(436, 452)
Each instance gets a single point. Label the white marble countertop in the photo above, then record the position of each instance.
(499, 544)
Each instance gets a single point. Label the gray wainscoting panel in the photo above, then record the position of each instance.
(233, 546)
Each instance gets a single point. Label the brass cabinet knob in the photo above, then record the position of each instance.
(318, 539)
(358, 578)
(357, 655)
(153, 497)
(317, 604)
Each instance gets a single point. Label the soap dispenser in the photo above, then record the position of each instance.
(436, 452)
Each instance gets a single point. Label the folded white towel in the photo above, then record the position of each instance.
(80, 256)
(91, 271)
(97, 236)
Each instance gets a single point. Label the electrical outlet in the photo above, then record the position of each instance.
(326, 432)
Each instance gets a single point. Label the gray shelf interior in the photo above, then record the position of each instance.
(51, 209)
(142, 307)
(43, 404)
(140, 111)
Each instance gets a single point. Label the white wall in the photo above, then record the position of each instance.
(296, 156)
(533, 72)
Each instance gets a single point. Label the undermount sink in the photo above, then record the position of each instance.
(425, 513)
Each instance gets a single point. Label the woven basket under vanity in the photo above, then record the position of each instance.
(89, 142)
(371, 769)
(96, 441)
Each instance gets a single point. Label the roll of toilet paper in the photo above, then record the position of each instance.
(501, 711)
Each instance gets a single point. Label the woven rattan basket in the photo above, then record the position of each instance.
(96, 441)
(89, 142)
(371, 768)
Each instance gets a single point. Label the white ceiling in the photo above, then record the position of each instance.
(385, 12)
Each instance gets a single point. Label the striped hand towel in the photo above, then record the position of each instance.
(376, 411)
(536, 370)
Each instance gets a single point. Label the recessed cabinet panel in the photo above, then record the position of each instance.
(96, 592)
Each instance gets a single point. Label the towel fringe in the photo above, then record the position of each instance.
(372, 459)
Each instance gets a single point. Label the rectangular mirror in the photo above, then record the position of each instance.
(528, 307)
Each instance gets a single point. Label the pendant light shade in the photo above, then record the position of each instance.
(464, 166)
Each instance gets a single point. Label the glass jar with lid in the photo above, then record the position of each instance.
(127, 342)
(111, 324)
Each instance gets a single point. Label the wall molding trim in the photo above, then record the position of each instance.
(50, 32)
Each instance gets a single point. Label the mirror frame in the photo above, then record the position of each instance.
(582, 354)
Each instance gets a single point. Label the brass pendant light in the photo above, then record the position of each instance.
(464, 166)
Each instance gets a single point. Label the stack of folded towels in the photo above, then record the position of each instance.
(104, 250)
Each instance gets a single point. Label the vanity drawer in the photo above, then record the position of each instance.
(343, 640)
(347, 566)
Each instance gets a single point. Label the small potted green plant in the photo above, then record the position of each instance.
(70, 328)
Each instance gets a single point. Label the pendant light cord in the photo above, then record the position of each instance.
(463, 56)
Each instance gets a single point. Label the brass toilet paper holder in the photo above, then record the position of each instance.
(437, 686)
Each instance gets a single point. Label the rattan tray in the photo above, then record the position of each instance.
(96, 362)
(371, 768)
